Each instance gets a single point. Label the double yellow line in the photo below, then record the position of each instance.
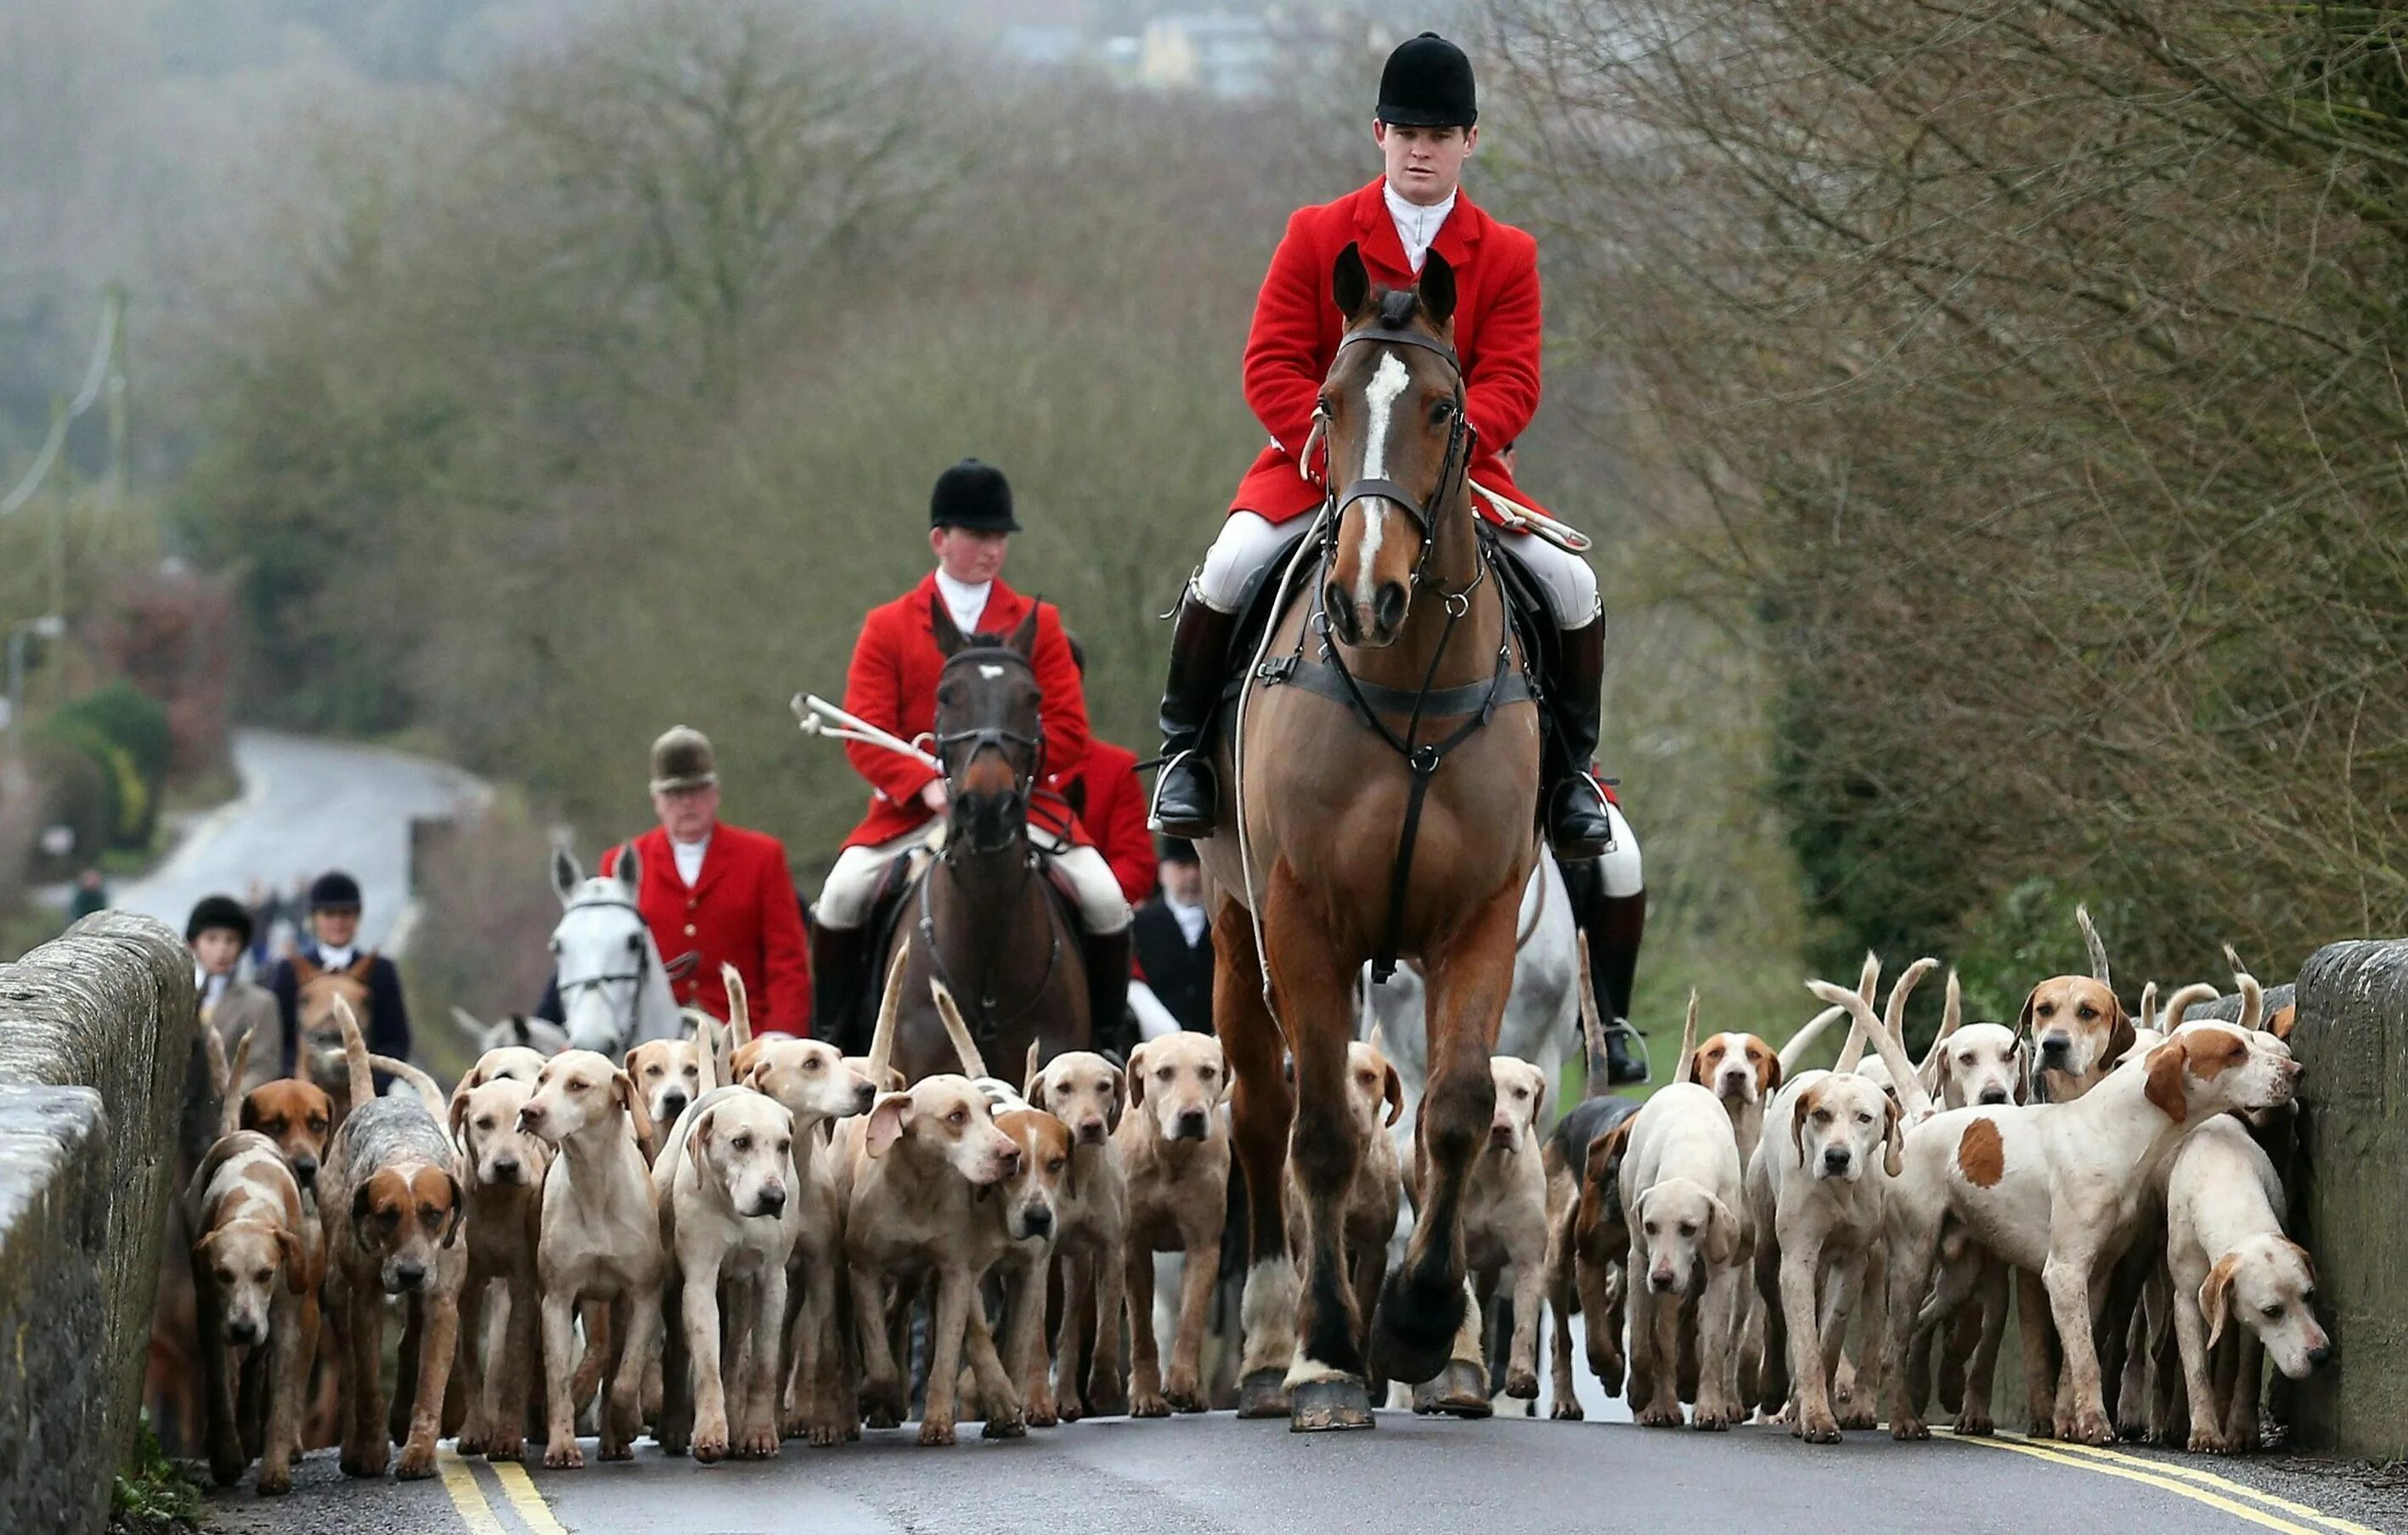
(469, 1497)
(2253, 1504)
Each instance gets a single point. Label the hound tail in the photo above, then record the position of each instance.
(973, 1064)
(355, 1054)
(1867, 985)
(420, 1083)
(1804, 1040)
(2253, 996)
(227, 1074)
(890, 1006)
(1600, 1074)
(739, 1010)
(2091, 941)
(2189, 997)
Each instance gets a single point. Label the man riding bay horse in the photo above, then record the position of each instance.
(1426, 128)
(893, 683)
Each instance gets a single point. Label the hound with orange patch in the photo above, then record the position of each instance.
(391, 1198)
(255, 1270)
(2053, 1189)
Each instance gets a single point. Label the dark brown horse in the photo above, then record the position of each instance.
(1398, 699)
(981, 918)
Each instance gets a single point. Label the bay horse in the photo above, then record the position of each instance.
(983, 918)
(1385, 761)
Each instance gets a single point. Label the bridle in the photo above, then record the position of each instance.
(632, 979)
(1454, 467)
(1003, 738)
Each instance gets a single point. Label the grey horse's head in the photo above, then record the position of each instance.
(602, 952)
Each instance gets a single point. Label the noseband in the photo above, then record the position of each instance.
(1002, 739)
(1453, 467)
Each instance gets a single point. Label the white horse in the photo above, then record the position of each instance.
(615, 992)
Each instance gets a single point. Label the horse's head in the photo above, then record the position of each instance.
(989, 732)
(1391, 415)
(600, 951)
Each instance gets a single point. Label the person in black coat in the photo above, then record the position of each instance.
(1173, 942)
(334, 924)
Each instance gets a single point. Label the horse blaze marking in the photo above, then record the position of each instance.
(1982, 1155)
(1387, 382)
(990, 673)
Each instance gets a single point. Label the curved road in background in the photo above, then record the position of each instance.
(307, 806)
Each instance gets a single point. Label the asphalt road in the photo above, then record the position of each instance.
(1206, 1475)
(308, 806)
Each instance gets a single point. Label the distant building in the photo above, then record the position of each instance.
(1222, 55)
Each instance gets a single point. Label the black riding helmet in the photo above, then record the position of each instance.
(1427, 84)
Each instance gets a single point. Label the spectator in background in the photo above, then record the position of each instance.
(1173, 988)
(220, 930)
(90, 895)
(335, 927)
(1103, 789)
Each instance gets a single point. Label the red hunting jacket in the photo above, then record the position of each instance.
(742, 910)
(1114, 815)
(893, 685)
(1297, 326)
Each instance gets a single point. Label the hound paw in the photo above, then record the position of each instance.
(617, 1449)
(471, 1441)
(935, 1433)
(1068, 1408)
(1566, 1410)
(417, 1461)
(1909, 1427)
(1713, 1420)
(1659, 1417)
(759, 1445)
(1817, 1428)
(1043, 1413)
(1522, 1383)
(225, 1470)
(1186, 1398)
(564, 1457)
(2092, 1427)
(710, 1444)
(1973, 1424)
(1149, 1404)
(1855, 1416)
(825, 1433)
(1005, 1426)
(274, 1481)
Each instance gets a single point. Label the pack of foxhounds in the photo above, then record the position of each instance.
(733, 1240)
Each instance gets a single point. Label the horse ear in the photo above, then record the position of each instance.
(1024, 634)
(1437, 289)
(631, 869)
(1350, 282)
(566, 874)
(949, 634)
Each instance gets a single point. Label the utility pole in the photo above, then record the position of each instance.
(118, 397)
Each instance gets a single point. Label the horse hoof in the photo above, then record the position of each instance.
(1263, 1394)
(1463, 1391)
(1321, 1406)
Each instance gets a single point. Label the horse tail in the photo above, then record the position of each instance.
(355, 1054)
(973, 1064)
(890, 1005)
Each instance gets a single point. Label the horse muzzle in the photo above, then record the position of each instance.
(1366, 626)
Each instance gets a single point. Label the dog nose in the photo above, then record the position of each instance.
(1994, 1093)
(1040, 1219)
(409, 1276)
(865, 1094)
(305, 1171)
(771, 1199)
(2318, 1355)
(1190, 1124)
(1502, 1134)
(531, 1117)
(672, 1105)
(1092, 1133)
(1660, 1281)
(242, 1332)
(2055, 1045)
(507, 1170)
(1835, 1158)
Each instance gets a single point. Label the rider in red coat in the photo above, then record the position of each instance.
(892, 685)
(1426, 127)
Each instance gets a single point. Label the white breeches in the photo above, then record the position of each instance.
(1620, 862)
(1247, 542)
(845, 899)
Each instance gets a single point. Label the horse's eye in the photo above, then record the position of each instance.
(945, 695)
(634, 942)
(1440, 410)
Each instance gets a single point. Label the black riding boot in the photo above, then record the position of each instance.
(1577, 826)
(1614, 925)
(1184, 796)
(1107, 978)
(840, 960)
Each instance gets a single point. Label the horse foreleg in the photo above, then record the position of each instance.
(1260, 1109)
(1422, 1305)
(1325, 1379)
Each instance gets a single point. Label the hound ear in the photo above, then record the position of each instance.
(1690, 1069)
(949, 635)
(2024, 1019)
(1032, 1085)
(2023, 1075)
(2120, 1035)
(1350, 282)
(459, 1212)
(460, 1109)
(360, 1197)
(1024, 634)
(698, 1142)
(887, 1122)
(1393, 1089)
(1120, 1099)
(297, 1261)
(1136, 1078)
(1893, 1140)
(2215, 1295)
(1721, 1232)
(633, 1102)
(567, 875)
(1771, 1071)
(1538, 1102)
(1797, 1123)
(1437, 289)
(2166, 1066)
